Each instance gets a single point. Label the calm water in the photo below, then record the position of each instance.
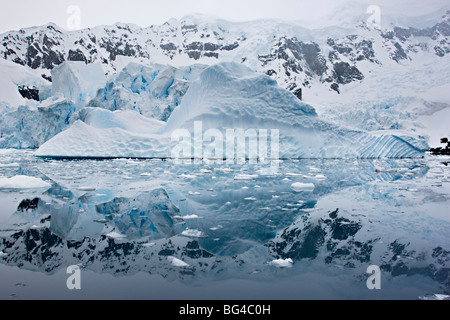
(153, 229)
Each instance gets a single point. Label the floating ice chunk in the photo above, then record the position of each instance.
(116, 235)
(188, 176)
(320, 177)
(193, 233)
(177, 262)
(149, 245)
(23, 182)
(250, 199)
(191, 193)
(86, 189)
(303, 187)
(280, 263)
(246, 177)
(146, 174)
(190, 217)
(435, 297)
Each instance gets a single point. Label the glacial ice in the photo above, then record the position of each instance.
(153, 91)
(77, 81)
(228, 96)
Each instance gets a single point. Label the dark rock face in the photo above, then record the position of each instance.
(442, 151)
(30, 93)
(76, 55)
(28, 204)
(345, 74)
(299, 94)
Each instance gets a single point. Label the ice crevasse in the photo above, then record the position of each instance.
(228, 96)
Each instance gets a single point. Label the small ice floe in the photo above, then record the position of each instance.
(303, 187)
(286, 180)
(188, 176)
(265, 209)
(146, 174)
(177, 262)
(294, 205)
(149, 245)
(190, 217)
(257, 187)
(250, 199)
(246, 177)
(228, 203)
(115, 235)
(191, 193)
(205, 171)
(245, 188)
(86, 189)
(280, 263)
(275, 197)
(210, 190)
(23, 183)
(216, 228)
(193, 233)
(440, 297)
(81, 211)
(102, 221)
(320, 177)
(127, 178)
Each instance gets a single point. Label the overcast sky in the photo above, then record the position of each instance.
(26, 13)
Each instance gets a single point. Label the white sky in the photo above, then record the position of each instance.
(26, 13)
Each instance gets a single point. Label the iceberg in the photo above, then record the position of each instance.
(230, 96)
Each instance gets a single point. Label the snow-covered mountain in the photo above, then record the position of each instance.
(354, 76)
(297, 56)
